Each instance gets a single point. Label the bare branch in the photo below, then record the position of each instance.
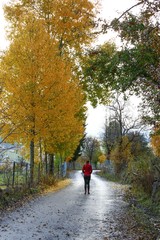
(137, 4)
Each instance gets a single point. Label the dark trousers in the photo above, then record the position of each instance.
(87, 183)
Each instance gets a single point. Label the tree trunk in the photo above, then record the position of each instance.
(51, 164)
(31, 162)
(40, 153)
(46, 163)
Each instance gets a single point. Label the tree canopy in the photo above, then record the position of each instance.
(134, 66)
(42, 97)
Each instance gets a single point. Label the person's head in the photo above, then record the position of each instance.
(87, 161)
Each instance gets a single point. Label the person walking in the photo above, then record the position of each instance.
(87, 170)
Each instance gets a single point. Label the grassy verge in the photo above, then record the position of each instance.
(142, 209)
(109, 177)
(143, 201)
(14, 199)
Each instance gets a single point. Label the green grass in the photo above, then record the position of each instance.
(143, 200)
(109, 177)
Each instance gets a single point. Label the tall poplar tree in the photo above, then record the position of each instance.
(43, 98)
(69, 22)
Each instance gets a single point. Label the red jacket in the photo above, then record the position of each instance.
(87, 169)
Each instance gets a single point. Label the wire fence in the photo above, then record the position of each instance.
(13, 174)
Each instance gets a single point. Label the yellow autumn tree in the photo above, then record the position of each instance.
(102, 158)
(155, 141)
(69, 22)
(39, 72)
(66, 128)
(121, 154)
(41, 99)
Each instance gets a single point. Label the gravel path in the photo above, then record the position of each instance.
(70, 215)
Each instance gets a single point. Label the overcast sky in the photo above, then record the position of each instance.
(109, 10)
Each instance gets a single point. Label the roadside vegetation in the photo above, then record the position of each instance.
(13, 198)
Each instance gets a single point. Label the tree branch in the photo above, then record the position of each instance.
(137, 4)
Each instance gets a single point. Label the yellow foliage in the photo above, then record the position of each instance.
(122, 152)
(69, 158)
(69, 22)
(76, 16)
(155, 142)
(101, 158)
(41, 99)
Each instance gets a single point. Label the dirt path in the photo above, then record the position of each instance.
(70, 215)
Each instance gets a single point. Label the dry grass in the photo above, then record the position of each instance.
(58, 186)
